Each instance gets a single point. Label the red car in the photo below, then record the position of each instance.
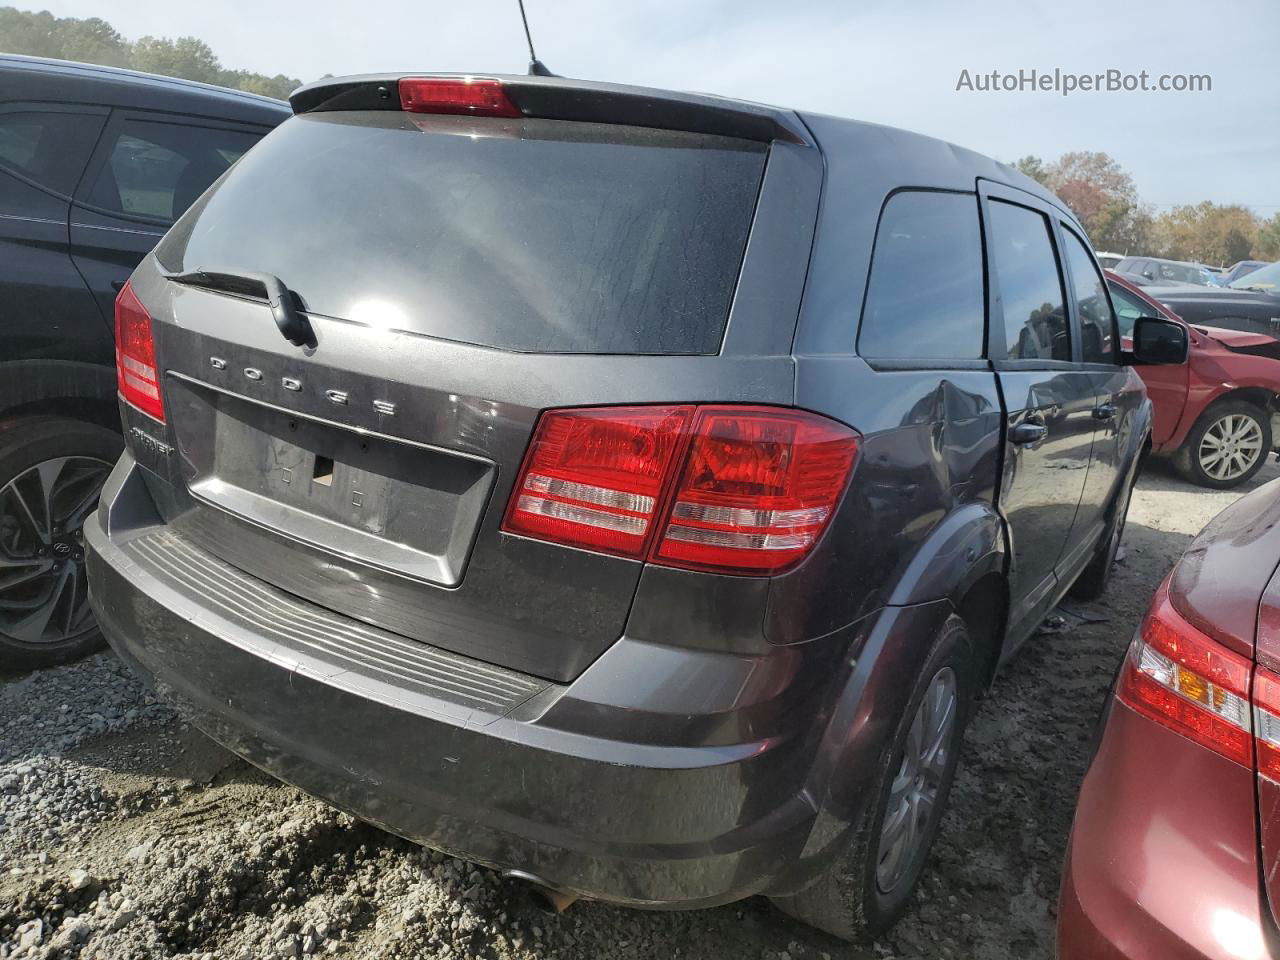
(1175, 850)
(1213, 414)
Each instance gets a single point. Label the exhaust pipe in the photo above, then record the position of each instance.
(545, 898)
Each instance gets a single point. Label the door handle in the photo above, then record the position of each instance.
(1106, 411)
(118, 285)
(1028, 432)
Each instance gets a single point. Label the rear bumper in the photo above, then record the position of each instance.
(1162, 863)
(483, 763)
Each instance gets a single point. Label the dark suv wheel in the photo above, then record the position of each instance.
(51, 472)
(867, 888)
(1227, 446)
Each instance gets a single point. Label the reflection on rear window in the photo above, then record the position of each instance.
(532, 235)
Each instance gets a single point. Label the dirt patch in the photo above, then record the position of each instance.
(125, 834)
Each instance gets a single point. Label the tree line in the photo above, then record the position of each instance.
(95, 41)
(1105, 199)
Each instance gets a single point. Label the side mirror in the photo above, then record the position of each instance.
(1157, 341)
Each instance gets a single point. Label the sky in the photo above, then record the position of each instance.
(896, 62)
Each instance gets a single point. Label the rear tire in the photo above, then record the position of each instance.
(1237, 428)
(51, 472)
(869, 885)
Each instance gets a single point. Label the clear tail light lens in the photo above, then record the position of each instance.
(1184, 680)
(721, 488)
(1266, 719)
(136, 374)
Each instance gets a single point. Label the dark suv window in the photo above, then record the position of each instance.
(529, 235)
(1026, 270)
(924, 298)
(49, 148)
(156, 170)
(1097, 323)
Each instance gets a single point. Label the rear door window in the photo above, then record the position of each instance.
(527, 235)
(924, 298)
(1097, 323)
(49, 148)
(1030, 284)
(155, 170)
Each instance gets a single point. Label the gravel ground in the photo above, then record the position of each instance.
(125, 834)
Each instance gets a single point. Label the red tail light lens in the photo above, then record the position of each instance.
(594, 478)
(758, 488)
(136, 373)
(750, 489)
(1183, 680)
(467, 96)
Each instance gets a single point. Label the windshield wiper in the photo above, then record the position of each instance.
(284, 303)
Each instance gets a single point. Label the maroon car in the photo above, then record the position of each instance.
(1175, 850)
(1213, 415)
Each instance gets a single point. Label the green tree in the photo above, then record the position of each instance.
(96, 41)
(1267, 245)
(185, 57)
(92, 41)
(1033, 167)
(1208, 233)
(1102, 194)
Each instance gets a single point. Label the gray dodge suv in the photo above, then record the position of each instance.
(625, 489)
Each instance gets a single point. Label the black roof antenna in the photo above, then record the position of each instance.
(536, 67)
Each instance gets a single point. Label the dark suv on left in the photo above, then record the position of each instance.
(95, 164)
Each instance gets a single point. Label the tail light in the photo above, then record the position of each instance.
(1266, 717)
(721, 488)
(1184, 680)
(136, 374)
(468, 96)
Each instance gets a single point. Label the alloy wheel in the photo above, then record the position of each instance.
(913, 795)
(1230, 447)
(43, 594)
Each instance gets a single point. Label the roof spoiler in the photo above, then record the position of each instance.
(558, 98)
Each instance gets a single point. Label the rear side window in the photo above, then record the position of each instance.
(156, 170)
(924, 298)
(49, 148)
(527, 235)
(1026, 272)
(1097, 323)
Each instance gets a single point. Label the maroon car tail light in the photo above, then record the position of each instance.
(136, 375)
(466, 96)
(1266, 722)
(729, 489)
(1184, 680)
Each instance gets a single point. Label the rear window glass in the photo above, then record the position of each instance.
(527, 235)
(925, 300)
